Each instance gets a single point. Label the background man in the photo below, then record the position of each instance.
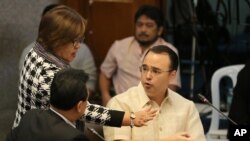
(124, 57)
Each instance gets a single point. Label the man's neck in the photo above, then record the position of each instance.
(144, 48)
(159, 97)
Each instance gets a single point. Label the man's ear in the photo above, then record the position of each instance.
(160, 31)
(79, 105)
(173, 74)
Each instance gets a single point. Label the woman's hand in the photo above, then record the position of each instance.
(142, 117)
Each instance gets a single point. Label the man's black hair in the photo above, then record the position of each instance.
(151, 12)
(68, 88)
(165, 49)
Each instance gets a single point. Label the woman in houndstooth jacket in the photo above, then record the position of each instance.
(61, 31)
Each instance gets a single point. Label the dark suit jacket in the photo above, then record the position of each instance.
(44, 125)
(240, 108)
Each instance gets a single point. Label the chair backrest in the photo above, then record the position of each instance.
(228, 71)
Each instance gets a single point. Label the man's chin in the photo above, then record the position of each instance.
(145, 42)
(148, 90)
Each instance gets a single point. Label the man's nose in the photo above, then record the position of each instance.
(149, 74)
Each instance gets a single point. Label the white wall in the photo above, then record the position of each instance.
(19, 20)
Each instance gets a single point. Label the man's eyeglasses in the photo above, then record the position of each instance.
(153, 70)
(77, 41)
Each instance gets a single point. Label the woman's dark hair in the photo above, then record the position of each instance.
(68, 88)
(59, 26)
(49, 7)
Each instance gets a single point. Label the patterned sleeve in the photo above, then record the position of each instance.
(104, 116)
(45, 80)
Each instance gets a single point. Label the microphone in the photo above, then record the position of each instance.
(204, 99)
(92, 130)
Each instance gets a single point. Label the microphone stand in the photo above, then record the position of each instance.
(203, 99)
(92, 130)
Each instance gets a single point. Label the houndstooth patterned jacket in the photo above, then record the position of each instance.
(34, 92)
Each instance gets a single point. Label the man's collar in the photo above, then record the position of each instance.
(64, 118)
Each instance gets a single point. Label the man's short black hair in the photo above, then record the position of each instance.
(152, 12)
(68, 88)
(165, 49)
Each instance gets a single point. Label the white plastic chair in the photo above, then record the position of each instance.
(214, 134)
